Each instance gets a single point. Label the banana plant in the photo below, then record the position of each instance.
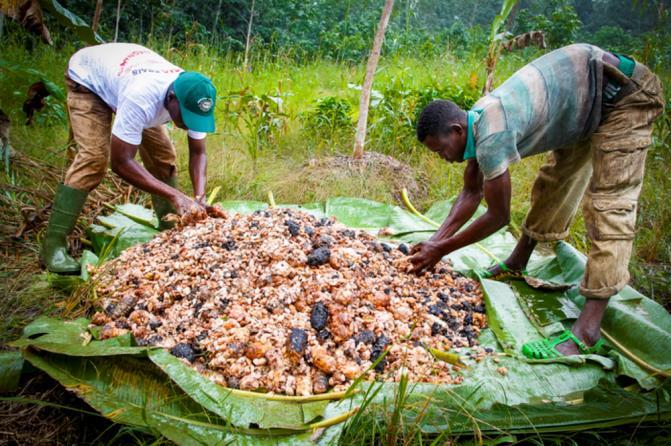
(495, 40)
(30, 14)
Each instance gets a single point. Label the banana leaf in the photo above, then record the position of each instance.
(121, 380)
(548, 397)
(243, 207)
(502, 393)
(132, 391)
(11, 365)
(242, 408)
(72, 22)
(54, 89)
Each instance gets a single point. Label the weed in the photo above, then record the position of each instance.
(330, 116)
(257, 119)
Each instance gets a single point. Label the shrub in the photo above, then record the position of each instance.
(330, 116)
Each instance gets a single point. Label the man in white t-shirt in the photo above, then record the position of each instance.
(119, 96)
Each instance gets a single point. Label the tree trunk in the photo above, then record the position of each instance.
(249, 35)
(495, 44)
(172, 11)
(216, 20)
(118, 14)
(364, 102)
(96, 16)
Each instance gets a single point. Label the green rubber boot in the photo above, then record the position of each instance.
(68, 204)
(163, 207)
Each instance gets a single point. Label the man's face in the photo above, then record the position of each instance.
(449, 147)
(175, 114)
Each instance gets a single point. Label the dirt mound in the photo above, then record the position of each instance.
(374, 166)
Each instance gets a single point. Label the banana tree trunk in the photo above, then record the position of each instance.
(96, 15)
(245, 65)
(216, 21)
(118, 14)
(495, 40)
(373, 59)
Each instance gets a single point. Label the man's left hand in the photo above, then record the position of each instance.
(426, 255)
(201, 200)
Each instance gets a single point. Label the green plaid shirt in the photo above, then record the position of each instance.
(551, 103)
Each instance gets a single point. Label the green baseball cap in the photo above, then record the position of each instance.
(196, 96)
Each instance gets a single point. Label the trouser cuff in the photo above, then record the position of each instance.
(602, 293)
(545, 237)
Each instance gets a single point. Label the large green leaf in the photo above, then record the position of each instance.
(71, 21)
(11, 365)
(133, 391)
(242, 207)
(639, 327)
(73, 338)
(459, 409)
(131, 225)
(54, 89)
(242, 408)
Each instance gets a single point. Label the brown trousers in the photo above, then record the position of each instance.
(91, 125)
(608, 170)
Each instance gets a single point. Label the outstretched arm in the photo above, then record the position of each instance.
(198, 167)
(497, 194)
(465, 205)
(124, 165)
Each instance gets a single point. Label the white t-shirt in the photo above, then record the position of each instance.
(132, 80)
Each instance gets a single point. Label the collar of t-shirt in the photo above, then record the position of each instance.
(471, 118)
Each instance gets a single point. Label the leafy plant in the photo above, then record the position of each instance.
(559, 21)
(52, 114)
(258, 119)
(22, 70)
(615, 38)
(394, 117)
(330, 116)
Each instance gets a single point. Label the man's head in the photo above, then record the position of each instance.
(442, 128)
(190, 102)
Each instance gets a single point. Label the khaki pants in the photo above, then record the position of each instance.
(91, 126)
(608, 170)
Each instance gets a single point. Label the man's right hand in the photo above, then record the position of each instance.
(185, 205)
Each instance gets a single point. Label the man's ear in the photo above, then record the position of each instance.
(458, 128)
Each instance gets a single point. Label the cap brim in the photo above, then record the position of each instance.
(196, 122)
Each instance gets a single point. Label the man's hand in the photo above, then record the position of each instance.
(201, 200)
(426, 255)
(185, 205)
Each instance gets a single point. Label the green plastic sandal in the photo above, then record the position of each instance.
(545, 348)
(506, 273)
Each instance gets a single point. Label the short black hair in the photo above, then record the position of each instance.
(437, 117)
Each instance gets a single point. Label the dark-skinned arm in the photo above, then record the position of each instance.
(466, 203)
(198, 167)
(124, 165)
(497, 192)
